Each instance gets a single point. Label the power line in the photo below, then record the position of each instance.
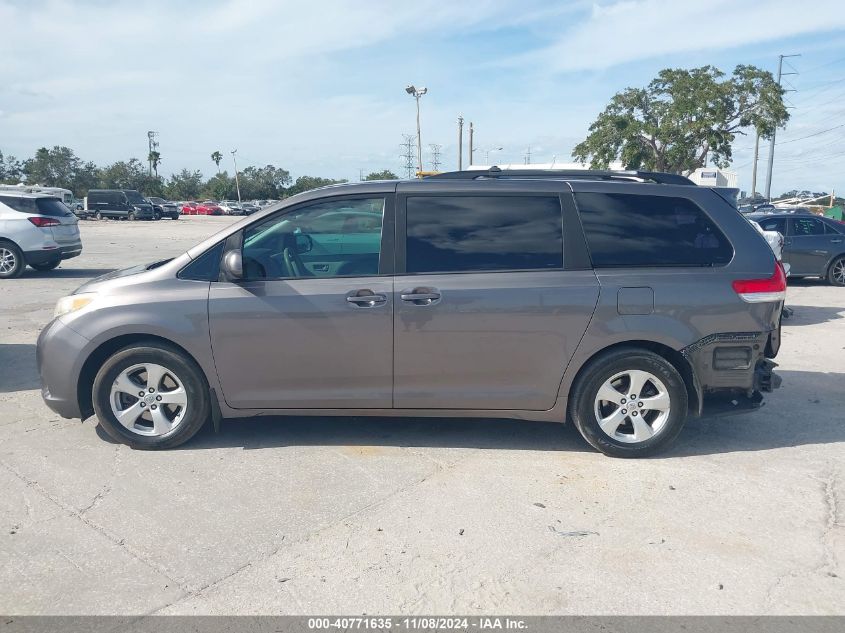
(835, 127)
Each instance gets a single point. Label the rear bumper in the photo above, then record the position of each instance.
(731, 371)
(45, 256)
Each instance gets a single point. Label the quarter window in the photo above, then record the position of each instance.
(483, 233)
(340, 238)
(640, 230)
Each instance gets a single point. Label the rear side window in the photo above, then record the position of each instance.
(774, 224)
(483, 233)
(625, 230)
(802, 227)
(52, 207)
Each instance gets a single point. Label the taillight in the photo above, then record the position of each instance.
(762, 290)
(42, 222)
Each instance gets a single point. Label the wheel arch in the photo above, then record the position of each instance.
(95, 360)
(672, 356)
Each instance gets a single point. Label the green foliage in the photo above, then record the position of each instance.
(682, 117)
(384, 174)
(131, 174)
(186, 185)
(11, 170)
(154, 158)
(216, 156)
(307, 183)
(266, 182)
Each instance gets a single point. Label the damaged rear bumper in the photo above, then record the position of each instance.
(731, 372)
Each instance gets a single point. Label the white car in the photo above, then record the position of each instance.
(36, 230)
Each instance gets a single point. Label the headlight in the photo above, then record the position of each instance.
(72, 303)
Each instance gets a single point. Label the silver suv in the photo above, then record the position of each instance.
(621, 301)
(35, 229)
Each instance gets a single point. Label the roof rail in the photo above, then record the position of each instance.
(567, 174)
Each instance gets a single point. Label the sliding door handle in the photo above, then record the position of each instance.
(420, 296)
(366, 298)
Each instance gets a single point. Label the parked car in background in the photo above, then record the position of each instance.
(814, 246)
(120, 204)
(189, 208)
(249, 208)
(165, 209)
(622, 302)
(209, 207)
(36, 230)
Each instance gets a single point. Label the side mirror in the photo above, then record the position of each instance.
(304, 243)
(233, 265)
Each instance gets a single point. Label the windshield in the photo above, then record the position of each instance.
(134, 196)
(52, 207)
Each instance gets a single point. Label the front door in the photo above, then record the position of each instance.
(310, 325)
(486, 315)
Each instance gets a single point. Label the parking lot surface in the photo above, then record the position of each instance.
(744, 515)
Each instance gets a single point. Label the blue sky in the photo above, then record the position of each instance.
(318, 87)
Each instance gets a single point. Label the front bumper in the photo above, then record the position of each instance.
(58, 354)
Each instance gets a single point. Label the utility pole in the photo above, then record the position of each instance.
(153, 144)
(408, 154)
(754, 170)
(460, 143)
(237, 182)
(360, 174)
(435, 156)
(528, 156)
(774, 131)
(471, 133)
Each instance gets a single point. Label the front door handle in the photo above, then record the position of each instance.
(835, 241)
(420, 296)
(366, 298)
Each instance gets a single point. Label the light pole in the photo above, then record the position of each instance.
(237, 183)
(774, 131)
(416, 93)
(487, 153)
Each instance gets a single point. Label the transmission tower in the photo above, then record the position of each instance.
(435, 156)
(408, 147)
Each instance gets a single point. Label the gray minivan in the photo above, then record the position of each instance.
(620, 301)
(120, 204)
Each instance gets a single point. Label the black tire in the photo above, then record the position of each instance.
(836, 272)
(175, 216)
(582, 401)
(11, 260)
(130, 216)
(156, 216)
(47, 266)
(98, 215)
(197, 410)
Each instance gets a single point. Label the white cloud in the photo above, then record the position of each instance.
(632, 30)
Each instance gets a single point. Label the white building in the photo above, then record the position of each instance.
(713, 177)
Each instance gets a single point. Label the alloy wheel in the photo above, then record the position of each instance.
(838, 272)
(8, 261)
(632, 406)
(148, 399)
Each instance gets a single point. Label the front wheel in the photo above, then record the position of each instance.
(836, 273)
(131, 216)
(629, 403)
(151, 397)
(98, 215)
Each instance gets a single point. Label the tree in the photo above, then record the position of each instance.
(11, 170)
(52, 167)
(131, 175)
(186, 185)
(154, 159)
(216, 156)
(264, 182)
(384, 174)
(220, 187)
(682, 117)
(306, 183)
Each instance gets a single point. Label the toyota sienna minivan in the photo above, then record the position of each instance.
(622, 302)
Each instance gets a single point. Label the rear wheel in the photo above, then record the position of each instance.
(98, 215)
(131, 216)
(11, 261)
(836, 272)
(151, 397)
(629, 403)
(47, 266)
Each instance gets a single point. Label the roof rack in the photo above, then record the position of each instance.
(567, 174)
